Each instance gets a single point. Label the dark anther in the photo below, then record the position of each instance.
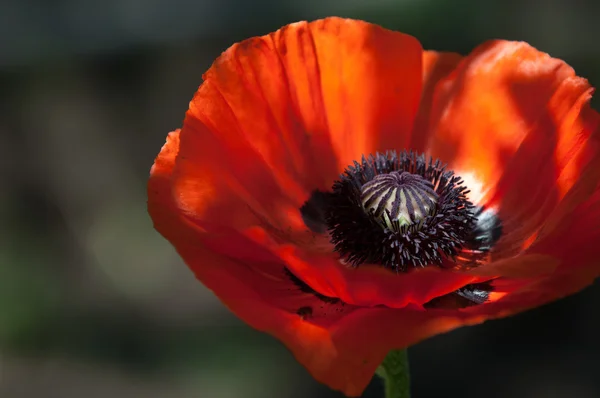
(399, 210)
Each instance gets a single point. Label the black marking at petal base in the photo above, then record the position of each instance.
(487, 230)
(360, 238)
(313, 211)
(467, 296)
(305, 312)
(303, 287)
(476, 293)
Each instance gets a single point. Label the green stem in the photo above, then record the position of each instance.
(394, 371)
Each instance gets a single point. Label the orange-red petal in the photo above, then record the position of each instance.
(273, 119)
(436, 67)
(373, 285)
(367, 335)
(230, 280)
(295, 97)
(513, 119)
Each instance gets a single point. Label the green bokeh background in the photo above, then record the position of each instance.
(94, 303)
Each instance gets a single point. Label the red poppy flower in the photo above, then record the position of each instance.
(266, 195)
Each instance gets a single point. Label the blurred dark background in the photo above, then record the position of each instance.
(94, 303)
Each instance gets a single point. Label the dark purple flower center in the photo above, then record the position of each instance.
(402, 210)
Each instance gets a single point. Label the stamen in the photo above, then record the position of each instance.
(402, 210)
(399, 210)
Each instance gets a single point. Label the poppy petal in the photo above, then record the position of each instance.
(372, 285)
(275, 113)
(547, 165)
(262, 273)
(496, 96)
(573, 245)
(436, 67)
(582, 188)
(310, 342)
(160, 201)
(499, 117)
(370, 79)
(386, 329)
(274, 110)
